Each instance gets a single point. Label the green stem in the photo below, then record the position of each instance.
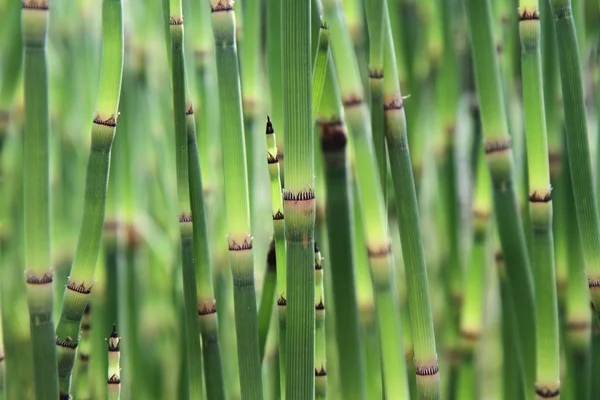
(265, 310)
(36, 196)
(320, 364)
(114, 365)
(236, 198)
(320, 69)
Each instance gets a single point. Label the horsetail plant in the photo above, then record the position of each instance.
(236, 198)
(334, 140)
(298, 199)
(82, 375)
(36, 196)
(183, 119)
(206, 304)
(280, 245)
(497, 146)
(419, 304)
(578, 149)
(371, 200)
(540, 204)
(320, 365)
(114, 365)
(81, 278)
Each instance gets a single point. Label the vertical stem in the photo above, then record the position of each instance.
(320, 361)
(114, 365)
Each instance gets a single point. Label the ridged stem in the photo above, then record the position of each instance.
(577, 142)
(497, 146)
(267, 297)
(419, 303)
(36, 198)
(320, 69)
(236, 198)
(83, 383)
(340, 232)
(540, 204)
(114, 365)
(320, 359)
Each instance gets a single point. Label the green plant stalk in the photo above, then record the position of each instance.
(299, 199)
(236, 198)
(274, 69)
(428, 383)
(595, 363)
(206, 305)
(83, 382)
(320, 358)
(320, 69)
(540, 204)
(372, 205)
(578, 321)
(265, 309)
(334, 139)
(471, 315)
(498, 151)
(2, 355)
(36, 196)
(280, 245)
(183, 124)
(578, 149)
(81, 277)
(114, 365)
(374, 16)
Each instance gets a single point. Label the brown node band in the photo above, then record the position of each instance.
(546, 392)
(34, 5)
(83, 357)
(88, 309)
(535, 197)
(86, 327)
(67, 342)
(110, 122)
(269, 128)
(174, 21)
(39, 280)
(320, 306)
(375, 73)
(333, 135)
(428, 370)
(278, 216)
(321, 371)
(220, 7)
(247, 245)
(394, 104)
(352, 101)
(496, 146)
(578, 325)
(281, 301)
(185, 217)
(594, 283)
(271, 159)
(527, 15)
(481, 214)
(1, 357)
(499, 257)
(304, 195)
(380, 252)
(114, 380)
(79, 288)
(206, 309)
(470, 335)
(189, 110)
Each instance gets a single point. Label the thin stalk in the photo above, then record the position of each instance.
(236, 198)
(320, 359)
(83, 382)
(497, 146)
(265, 310)
(320, 69)
(206, 305)
(376, 236)
(374, 16)
(578, 148)
(81, 278)
(471, 316)
(340, 232)
(299, 199)
(114, 365)
(36, 199)
(419, 303)
(183, 119)
(540, 204)
(280, 243)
